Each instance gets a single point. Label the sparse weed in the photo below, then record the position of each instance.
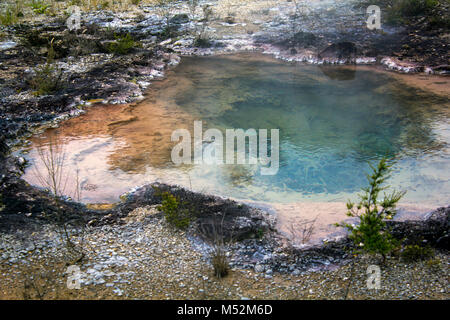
(165, 10)
(52, 175)
(301, 231)
(7, 17)
(220, 262)
(38, 284)
(201, 37)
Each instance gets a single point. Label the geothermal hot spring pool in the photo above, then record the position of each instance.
(332, 121)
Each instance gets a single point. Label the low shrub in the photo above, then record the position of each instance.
(11, 13)
(371, 235)
(260, 233)
(434, 264)
(123, 44)
(410, 8)
(39, 6)
(47, 79)
(175, 214)
(397, 12)
(202, 42)
(437, 22)
(416, 253)
(402, 10)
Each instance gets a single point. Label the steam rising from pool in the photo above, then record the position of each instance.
(332, 120)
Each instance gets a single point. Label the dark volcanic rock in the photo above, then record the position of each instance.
(3, 147)
(26, 207)
(179, 19)
(337, 73)
(212, 214)
(434, 230)
(342, 51)
(443, 69)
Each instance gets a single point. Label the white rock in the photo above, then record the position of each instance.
(259, 268)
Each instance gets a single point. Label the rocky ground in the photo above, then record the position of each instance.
(144, 258)
(87, 71)
(133, 253)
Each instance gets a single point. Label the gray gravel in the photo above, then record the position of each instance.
(145, 258)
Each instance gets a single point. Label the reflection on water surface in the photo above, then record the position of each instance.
(332, 121)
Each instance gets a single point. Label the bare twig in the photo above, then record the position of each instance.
(301, 232)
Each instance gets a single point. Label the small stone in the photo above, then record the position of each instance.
(118, 292)
(259, 268)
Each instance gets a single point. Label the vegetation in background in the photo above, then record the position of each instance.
(165, 10)
(47, 78)
(123, 44)
(192, 6)
(397, 12)
(371, 235)
(202, 38)
(11, 13)
(301, 14)
(7, 17)
(401, 10)
(437, 21)
(416, 253)
(39, 6)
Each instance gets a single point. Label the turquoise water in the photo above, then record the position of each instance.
(333, 121)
